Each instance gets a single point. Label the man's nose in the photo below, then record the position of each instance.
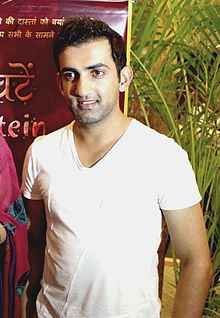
(83, 86)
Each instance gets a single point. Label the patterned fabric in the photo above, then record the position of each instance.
(14, 267)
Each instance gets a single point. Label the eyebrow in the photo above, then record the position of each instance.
(91, 67)
(98, 65)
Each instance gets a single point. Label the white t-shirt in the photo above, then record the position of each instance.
(104, 222)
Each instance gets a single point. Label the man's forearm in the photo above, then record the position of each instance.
(192, 290)
(32, 293)
(36, 256)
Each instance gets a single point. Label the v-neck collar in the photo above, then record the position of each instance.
(105, 157)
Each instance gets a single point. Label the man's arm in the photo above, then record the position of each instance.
(36, 236)
(188, 234)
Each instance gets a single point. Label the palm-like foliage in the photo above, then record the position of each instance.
(176, 65)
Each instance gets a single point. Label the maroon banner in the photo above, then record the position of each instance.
(30, 103)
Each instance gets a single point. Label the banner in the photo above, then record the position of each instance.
(30, 103)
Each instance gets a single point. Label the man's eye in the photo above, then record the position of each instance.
(97, 73)
(68, 76)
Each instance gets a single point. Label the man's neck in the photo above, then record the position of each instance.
(93, 142)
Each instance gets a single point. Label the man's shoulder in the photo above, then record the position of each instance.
(150, 136)
(54, 138)
(153, 146)
(47, 147)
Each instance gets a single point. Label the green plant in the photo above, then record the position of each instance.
(176, 63)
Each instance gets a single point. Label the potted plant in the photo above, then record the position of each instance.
(176, 61)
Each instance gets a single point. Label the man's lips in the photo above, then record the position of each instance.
(87, 104)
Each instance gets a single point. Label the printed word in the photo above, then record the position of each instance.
(8, 81)
(31, 21)
(26, 128)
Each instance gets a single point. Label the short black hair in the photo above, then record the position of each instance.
(81, 29)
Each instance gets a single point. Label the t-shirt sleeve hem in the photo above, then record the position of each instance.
(182, 205)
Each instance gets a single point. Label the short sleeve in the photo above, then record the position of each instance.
(29, 185)
(178, 189)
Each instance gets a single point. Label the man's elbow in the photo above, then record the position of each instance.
(209, 271)
(205, 268)
(201, 267)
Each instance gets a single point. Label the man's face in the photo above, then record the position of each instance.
(89, 81)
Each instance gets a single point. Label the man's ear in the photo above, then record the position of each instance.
(126, 76)
(59, 83)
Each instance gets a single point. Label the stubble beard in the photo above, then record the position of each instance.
(87, 117)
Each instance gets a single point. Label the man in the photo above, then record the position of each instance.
(94, 193)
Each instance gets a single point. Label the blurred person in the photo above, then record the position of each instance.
(14, 266)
